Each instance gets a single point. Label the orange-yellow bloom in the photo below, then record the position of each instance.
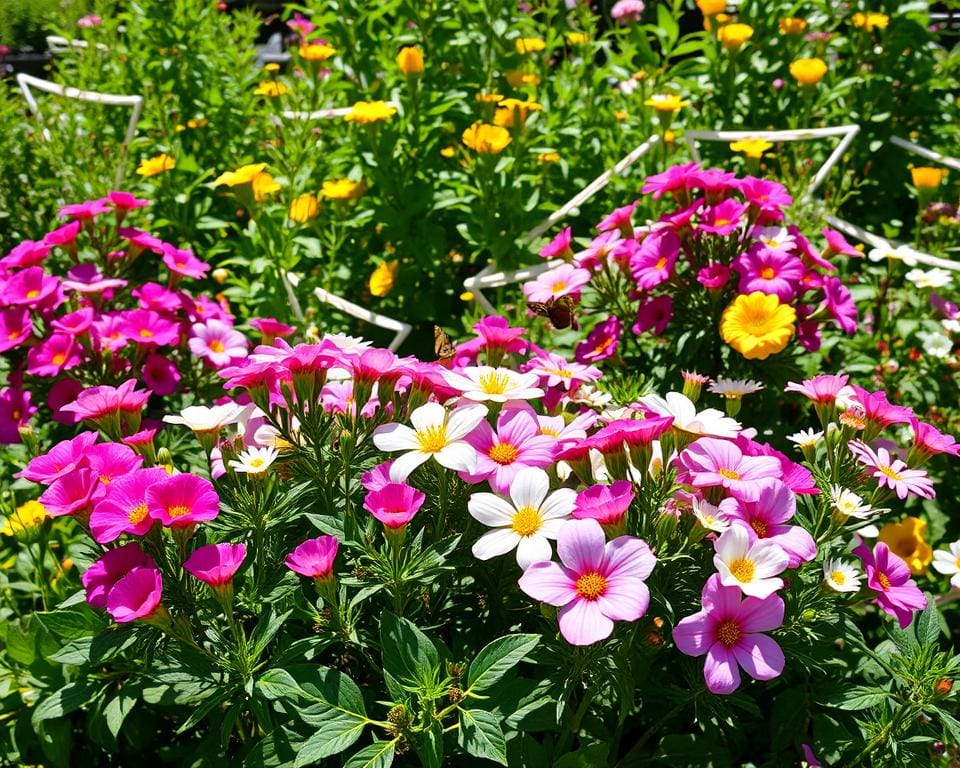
(529, 44)
(243, 175)
(486, 139)
(733, 36)
(264, 184)
(316, 51)
(870, 20)
(518, 79)
(757, 325)
(410, 60)
(665, 102)
(792, 26)
(808, 71)
(304, 208)
(155, 165)
(342, 189)
(383, 278)
(509, 109)
(271, 88)
(751, 147)
(906, 541)
(365, 112)
(925, 177)
(711, 7)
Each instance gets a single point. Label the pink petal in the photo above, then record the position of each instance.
(580, 545)
(693, 635)
(625, 599)
(549, 582)
(582, 623)
(628, 556)
(756, 615)
(720, 670)
(760, 656)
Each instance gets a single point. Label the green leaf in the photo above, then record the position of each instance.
(928, 625)
(498, 658)
(594, 756)
(117, 709)
(278, 684)
(407, 652)
(481, 735)
(65, 700)
(857, 697)
(336, 732)
(429, 747)
(377, 755)
(266, 630)
(73, 623)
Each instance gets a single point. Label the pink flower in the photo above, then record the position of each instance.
(823, 389)
(601, 343)
(714, 182)
(376, 478)
(88, 279)
(111, 406)
(160, 374)
(654, 315)
(15, 411)
(596, 584)
(607, 504)
(893, 473)
(100, 577)
(672, 180)
(136, 595)
(85, 210)
(496, 336)
(216, 564)
(565, 280)
(62, 392)
(314, 558)
(555, 371)
(620, 218)
(217, 342)
(71, 494)
(766, 270)
(182, 500)
(929, 441)
(559, 247)
(837, 244)
(714, 276)
(724, 218)
(839, 303)
(394, 504)
(62, 459)
(124, 509)
(150, 329)
(595, 255)
(75, 323)
(53, 355)
(879, 412)
(154, 296)
(28, 254)
(517, 443)
(728, 630)
(65, 235)
(90, 20)
(301, 25)
(765, 197)
(15, 327)
(109, 461)
(654, 260)
(183, 262)
(889, 577)
(124, 202)
(710, 462)
(31, 288)
(140, 240)
(627, 11)
(796, 477)
(271, 328)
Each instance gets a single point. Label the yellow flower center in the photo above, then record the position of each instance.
(768, 273)
(504, 453)
(549, 431)
(558, 286)
(759, 527)
(591, 585)
(721, 222)
(216, 345)
(661, 263)
(891, 474)
(33, 294)
(12, 335)
(432, 439)
(146, 333)
(58, 358)
(729, 633)
(494, 383)
(526, 521)
(138, 514)
(178, 510)
(256, 462)
(730, 474)
(603, 346)
(742, 569)
(884, 580)
(838, 578)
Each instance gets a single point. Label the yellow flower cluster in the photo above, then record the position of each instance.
(665, 102)
(792, 26)
(366, 112)
(751, 147)
(808, 71)
(155, 165)
(486, 139)
(383, 278)
(757, 325)
(906, 540)
(342, 189)
(733, 36)
(271, 88)
(304, 208)
(26, 517)
(410, 60)
(261, 182)
(870, 20)
(508, 110)
(316, 52)
(529, 44)
(925, 177)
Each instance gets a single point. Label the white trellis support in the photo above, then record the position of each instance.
(927, 154)
(400, 328)
(60, 45)
(847, 132)
(28, 82)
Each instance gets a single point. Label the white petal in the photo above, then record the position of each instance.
(529, 488)
(404, 465)
(395, 437)
(428, 415)
(551, 528)
(560, 503)
(733, 543)
(490, 509)
(461, 457)
(463, 420)
(495, 543)
(533, 549)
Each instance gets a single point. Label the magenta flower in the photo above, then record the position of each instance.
(728, 630)
(123, 202)
(100, 577)
(376, 478)
(65, 235)
(795, 476)
(182, 500)
(595, 255)
(839, 303)
(768, 271)
(154, 296)
(62, 459)
(879, 412)
(88, 279)
(136, 595)
(110, 461)
(714, 276)
(160, 374)
(86, 210)
(150, 329)
(673, 180)
(62, 392)
(766, 197)
(654, 315)
(216, 564)
(15, 411)
(823, 389)
(714, 182)
(71, 494)
(607, 504)
(559, 247)
(271, 328)
(124, 509)
(565, 280)
(837, 244)
(929, 441)
(601, 343)
(653, 262)
(889, 577)
(31, 288)
(183, 262)
(395, 504)
(893, 473)
(597, 583)
(111, 407)
(29, 253)
(301, 25)
(555, 371)
(496, 334)
(517, 443)
(140, 240)
(53, 355)
(724, 218)
(710, 462)
(75, 323)
(620, 218)
(217, 342)
(314, 558)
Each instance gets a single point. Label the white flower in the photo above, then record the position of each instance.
(948, 562)
(936, 344)
(950, 325)
(587, 394)
(709, 421)
(932, 278)
(849, 504)
(806, 438)
(436, 433)
(733, 389)
(903, 253)
(255, 461)
(777, 239)
(841, 576)
(534, 516)
(349, 344)
(709, 516)
(498, 385)
(199, 418)
(752, 567)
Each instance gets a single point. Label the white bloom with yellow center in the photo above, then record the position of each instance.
(806, 438)
(849, 504)
(498, 385)
(709, 421)
(947, 562)
(202, 419)
(929, 278)
(436, 434)
(526, 522)
(254, 461)
(752, 567)
(734, 389)
(709, 516)
(841, 576)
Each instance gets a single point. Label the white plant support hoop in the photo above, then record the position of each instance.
(27, 82)
(400, 328)
(60, 45)
(847, 132)
(489, 278)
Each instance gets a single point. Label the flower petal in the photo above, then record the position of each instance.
(628, 556)
(395, 437)
(533, 549)
(549, 582)
(721, 670)
(560, 503)
(693, 635)
(756, 615)
(490, 509)
(582, 623)
(580, 545)
(428, 415)
(530, 487)
(760, 656)
(494, 543)
(460, 457)
(464, 419)
(624, 600)
(403, 466)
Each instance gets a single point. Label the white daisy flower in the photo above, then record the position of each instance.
(254, 461)
(849, 504)
(709, 516)
(733, 389)
(199, 418)
(903, 253)
(709, 421)
(483, 383)
(950, 325)
(436, 434)
(841, 576)
(806, 438)
(936, 345)
(929, 278)
(752, 567)
(947, 562)
(526, 522)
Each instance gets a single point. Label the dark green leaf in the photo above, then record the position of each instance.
(481, 735)
(857, 697)
(65, 700)
(429, 747)
(928, 625)
(117, 709)
(498, 658)
(377, 755)
(406, 650)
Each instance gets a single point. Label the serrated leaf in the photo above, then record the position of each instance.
(481, 735)
(73, 623)
(928, 625)
(497, 658)
(857, 697)
(429, 747)
(377, 755)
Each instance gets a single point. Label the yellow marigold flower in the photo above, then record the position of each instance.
(466, 296)
(410, 60)
(488, 98)
(578, 38)
(220, 275)
(508, 109)
(548, 157)
(304, 208)
(342, 189)
(179, 127)
(621, 115)
(870, 21)
(808, 71)
(264, 184)
(529, 44)
(711, 7)
(272, 67)
(757, 325)
(243, 175)
(155, 165)
(366, 112)
(927, 178)
(197, 122)
(669, 136)
(317, 51)
(448, 151)
(518, 79)
(732, 36)
(271, 88)
(906, 541)
(792, 26)
(25, 518)
(751, 147)
(486, 139)
(383, 278)
(665, 102)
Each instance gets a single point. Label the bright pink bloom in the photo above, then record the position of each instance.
(880, 412)
(150, 329)
(271, 327)
(71, 494)
(183, 262)
(57, 353)
(710, 462)
(30, 288)
(75, 323)
(62, 459)
(796, 476)
(597, 583)
(837, 244)
(823, 389)
(86, 210)
(671, 180)
(889, 577)
(182, 500)
(28, 254)
(15, 411)
(654, 260)
(123, 202)
(929, 441)
(140, 240)
(517, 443)
(136, 595)
(555, 371)
(714, 276)
(154, 296)
(314, 558)
(62, 392)
(765, 518)
(559, 247)
(301, 25)
(98, 403)
(595, 255)
(100, 577)
(15, 327)
(607, 504)
(110, 461)
(766, 197)
(124, 508)
(654, 315)
(840, 304)
(620, 218)
(728, 630)
(893, 473)
(216, 564)
(376, 478)
(160, 374)
(65, 235)
(724, 218)
(217, 342)
(765, 270)
(395, 504)
(88, 279)
(496, 334)
(601, 343)
(565, 280)
(714, 182)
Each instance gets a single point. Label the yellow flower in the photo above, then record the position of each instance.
(383, 278)
(243, 175)
(272, 67)
(906, 541)
(808, 71)
(197, 122)
(792, 26)
(156, 165)
(263, 184)
(711, 7)
(871, 20)
(316, 51)
(488, 98)
(366, 112)
(578, 38)
(927, 178)
(26, 517)
(342, 189)
(410, 60)
(529, 44)
(621, 115)
(548, 157)
(220, 275)
(757, 325)
(486, 139)
(448, 152)
(271, 88)
(508, 109)
(732, 36)
(669, 136)
(751, 147)
(466, 296)
(519, 79)
(304, 208)
(665, 102)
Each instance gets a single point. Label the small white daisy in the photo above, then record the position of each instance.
(806, 438)
(849, 504)
(841, 576)
(709, 516)
(936, 344)
(734, 389)
(929, 278)
(254, 461)
(755, 568)
(948, 563)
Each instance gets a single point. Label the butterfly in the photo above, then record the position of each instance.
(560, 311)
(442, 346)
